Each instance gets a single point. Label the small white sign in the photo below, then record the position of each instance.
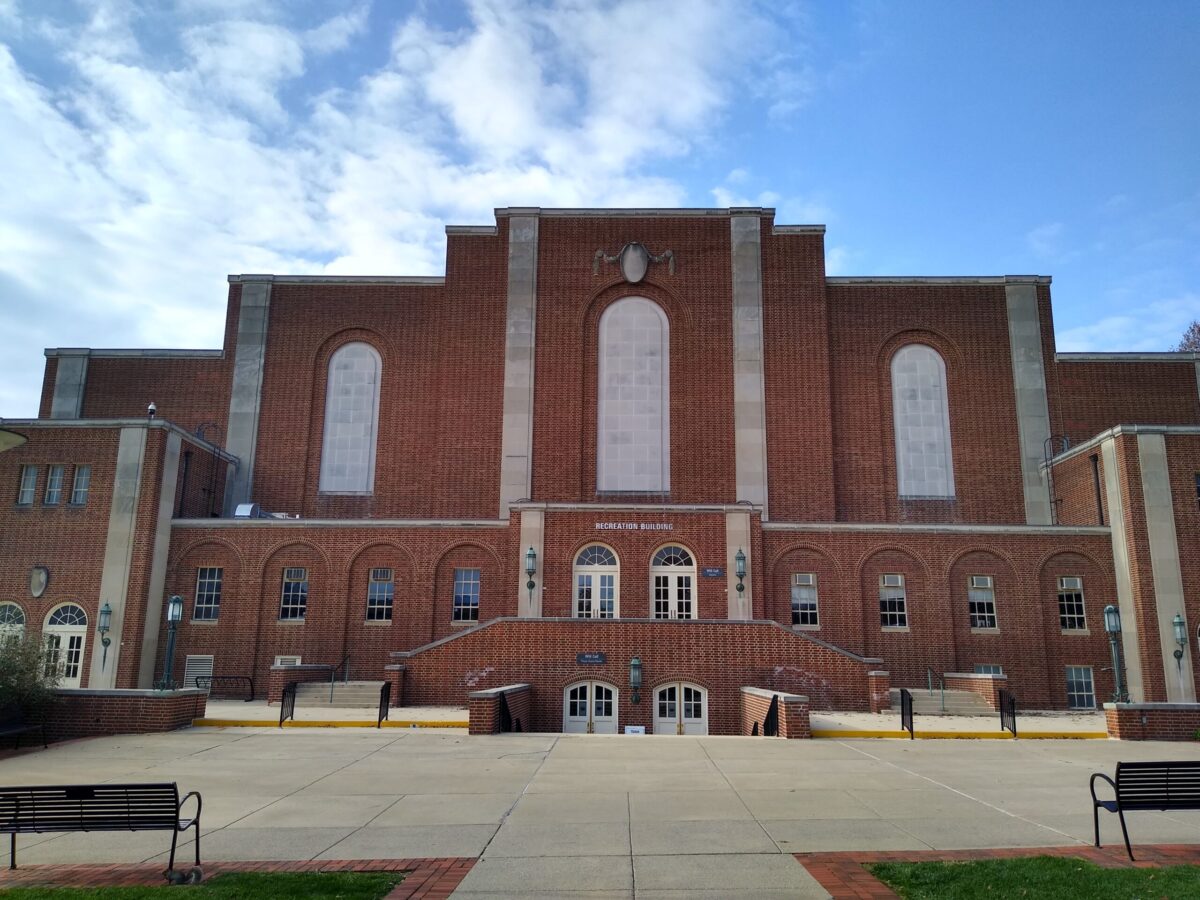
(635, 729)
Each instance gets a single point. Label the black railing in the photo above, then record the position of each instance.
(1008, 712)
(287, 706)
(344, 665)
(906, 713)
(771, 722)
(207, 682)
(385, 703)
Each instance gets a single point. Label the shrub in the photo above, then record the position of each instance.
(24, 663)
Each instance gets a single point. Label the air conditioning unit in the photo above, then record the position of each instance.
(981, 582)
(893, 581)
(804, 579)
(247, 511)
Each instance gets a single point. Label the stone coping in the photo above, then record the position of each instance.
(129, 692)
(782, 695)
(492, 692)
(982, 676)
(1170, 707)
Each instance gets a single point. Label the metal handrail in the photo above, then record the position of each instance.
(929, 676)
(344, 665)
(385, 702)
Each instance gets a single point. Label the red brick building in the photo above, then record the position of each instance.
(615, 434)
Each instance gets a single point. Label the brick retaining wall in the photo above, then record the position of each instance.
(793, 713)
(92, 713)
(1153, 721)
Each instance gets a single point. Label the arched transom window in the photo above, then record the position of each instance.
(351, 420)
(597, 584)
(924, 463)
(672, 582)
(633, 435)
(12, 621)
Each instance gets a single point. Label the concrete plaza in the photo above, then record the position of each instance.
(596, 816)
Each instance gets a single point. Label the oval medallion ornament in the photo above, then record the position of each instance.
(39, 578)
(635, 260)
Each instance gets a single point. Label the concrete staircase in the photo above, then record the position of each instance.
(347, 695)
(958, 703)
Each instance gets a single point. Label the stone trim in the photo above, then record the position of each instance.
(118, 353)
(937, 279)
(893, 528)
(414, 280)
(339, 523)
(122, 423)
(1161, 357)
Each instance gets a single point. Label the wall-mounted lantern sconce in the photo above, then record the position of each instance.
(102, 629)
(151, 410)
(635, 678)
(739, 562)
(1180, 638)
(530, 570)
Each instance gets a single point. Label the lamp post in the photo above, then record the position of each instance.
(102, 629)
(174, 615)
(530, 571)
(1112, 625)
(635, 678)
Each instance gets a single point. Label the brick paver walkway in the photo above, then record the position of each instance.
(844, 875)
(427, 879)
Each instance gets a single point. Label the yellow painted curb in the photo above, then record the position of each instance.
(966, 735)
(340, 723)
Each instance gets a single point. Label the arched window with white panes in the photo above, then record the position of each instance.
(921, 415)
(65, 633)
(597, 584)
(351, 420)
(12, 622)
(633, 433)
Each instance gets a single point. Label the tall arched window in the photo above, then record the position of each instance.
(65, 633)
(12, 622)
(672, 578)
(597, 584)
(633, 434)
(924, 463)
(351, 420)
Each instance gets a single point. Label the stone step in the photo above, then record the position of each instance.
(957, 703)
(346, 694)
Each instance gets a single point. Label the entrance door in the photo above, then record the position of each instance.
(64, 633)
(680, 709)
(672, 575)
(590, 707)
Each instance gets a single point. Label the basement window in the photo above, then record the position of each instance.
(1081, 691)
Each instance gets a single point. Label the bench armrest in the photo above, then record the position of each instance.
(1092, 785)
(199, 805)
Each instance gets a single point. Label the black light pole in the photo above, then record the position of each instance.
(1112, 625)
(174, 614)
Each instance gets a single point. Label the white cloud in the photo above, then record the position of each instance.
(168, 147)
(1155, 326)
(1044, 240)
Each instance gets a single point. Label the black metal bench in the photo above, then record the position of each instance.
(1147, 786)
(208, 682)
(12, 722)
(98, 807)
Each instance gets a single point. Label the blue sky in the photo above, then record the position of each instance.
(149, 148)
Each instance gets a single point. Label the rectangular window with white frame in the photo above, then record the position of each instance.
(1070, 604)
(28, 486)
(54, 486)
(981, 602)
(208, 593)
(804, 600)
(381, 593)
(466, 595)
(81, 485)
(989, 669)
(293, 602)
(1081, 690)
(893, 603)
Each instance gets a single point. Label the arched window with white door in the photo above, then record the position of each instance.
(12, 622)
(351, 420)
(672, 583)
(921, 416)
(65, 633)
(633, 433)
(597, 584)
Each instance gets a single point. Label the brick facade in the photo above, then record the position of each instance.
(812, 353)
(85, 713)
(1153, 721)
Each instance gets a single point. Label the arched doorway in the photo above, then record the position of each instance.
(680, 708)
(65, 632)
(597, 584)
(590, 707)
(672, 581)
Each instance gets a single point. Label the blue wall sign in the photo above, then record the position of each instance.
(591, 659)
(713, 572)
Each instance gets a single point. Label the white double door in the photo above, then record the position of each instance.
(590, 707)
(673, 596)
(680, 708)
(64, 654)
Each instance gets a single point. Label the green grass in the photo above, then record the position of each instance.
(1031, 878)
(238, 886)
